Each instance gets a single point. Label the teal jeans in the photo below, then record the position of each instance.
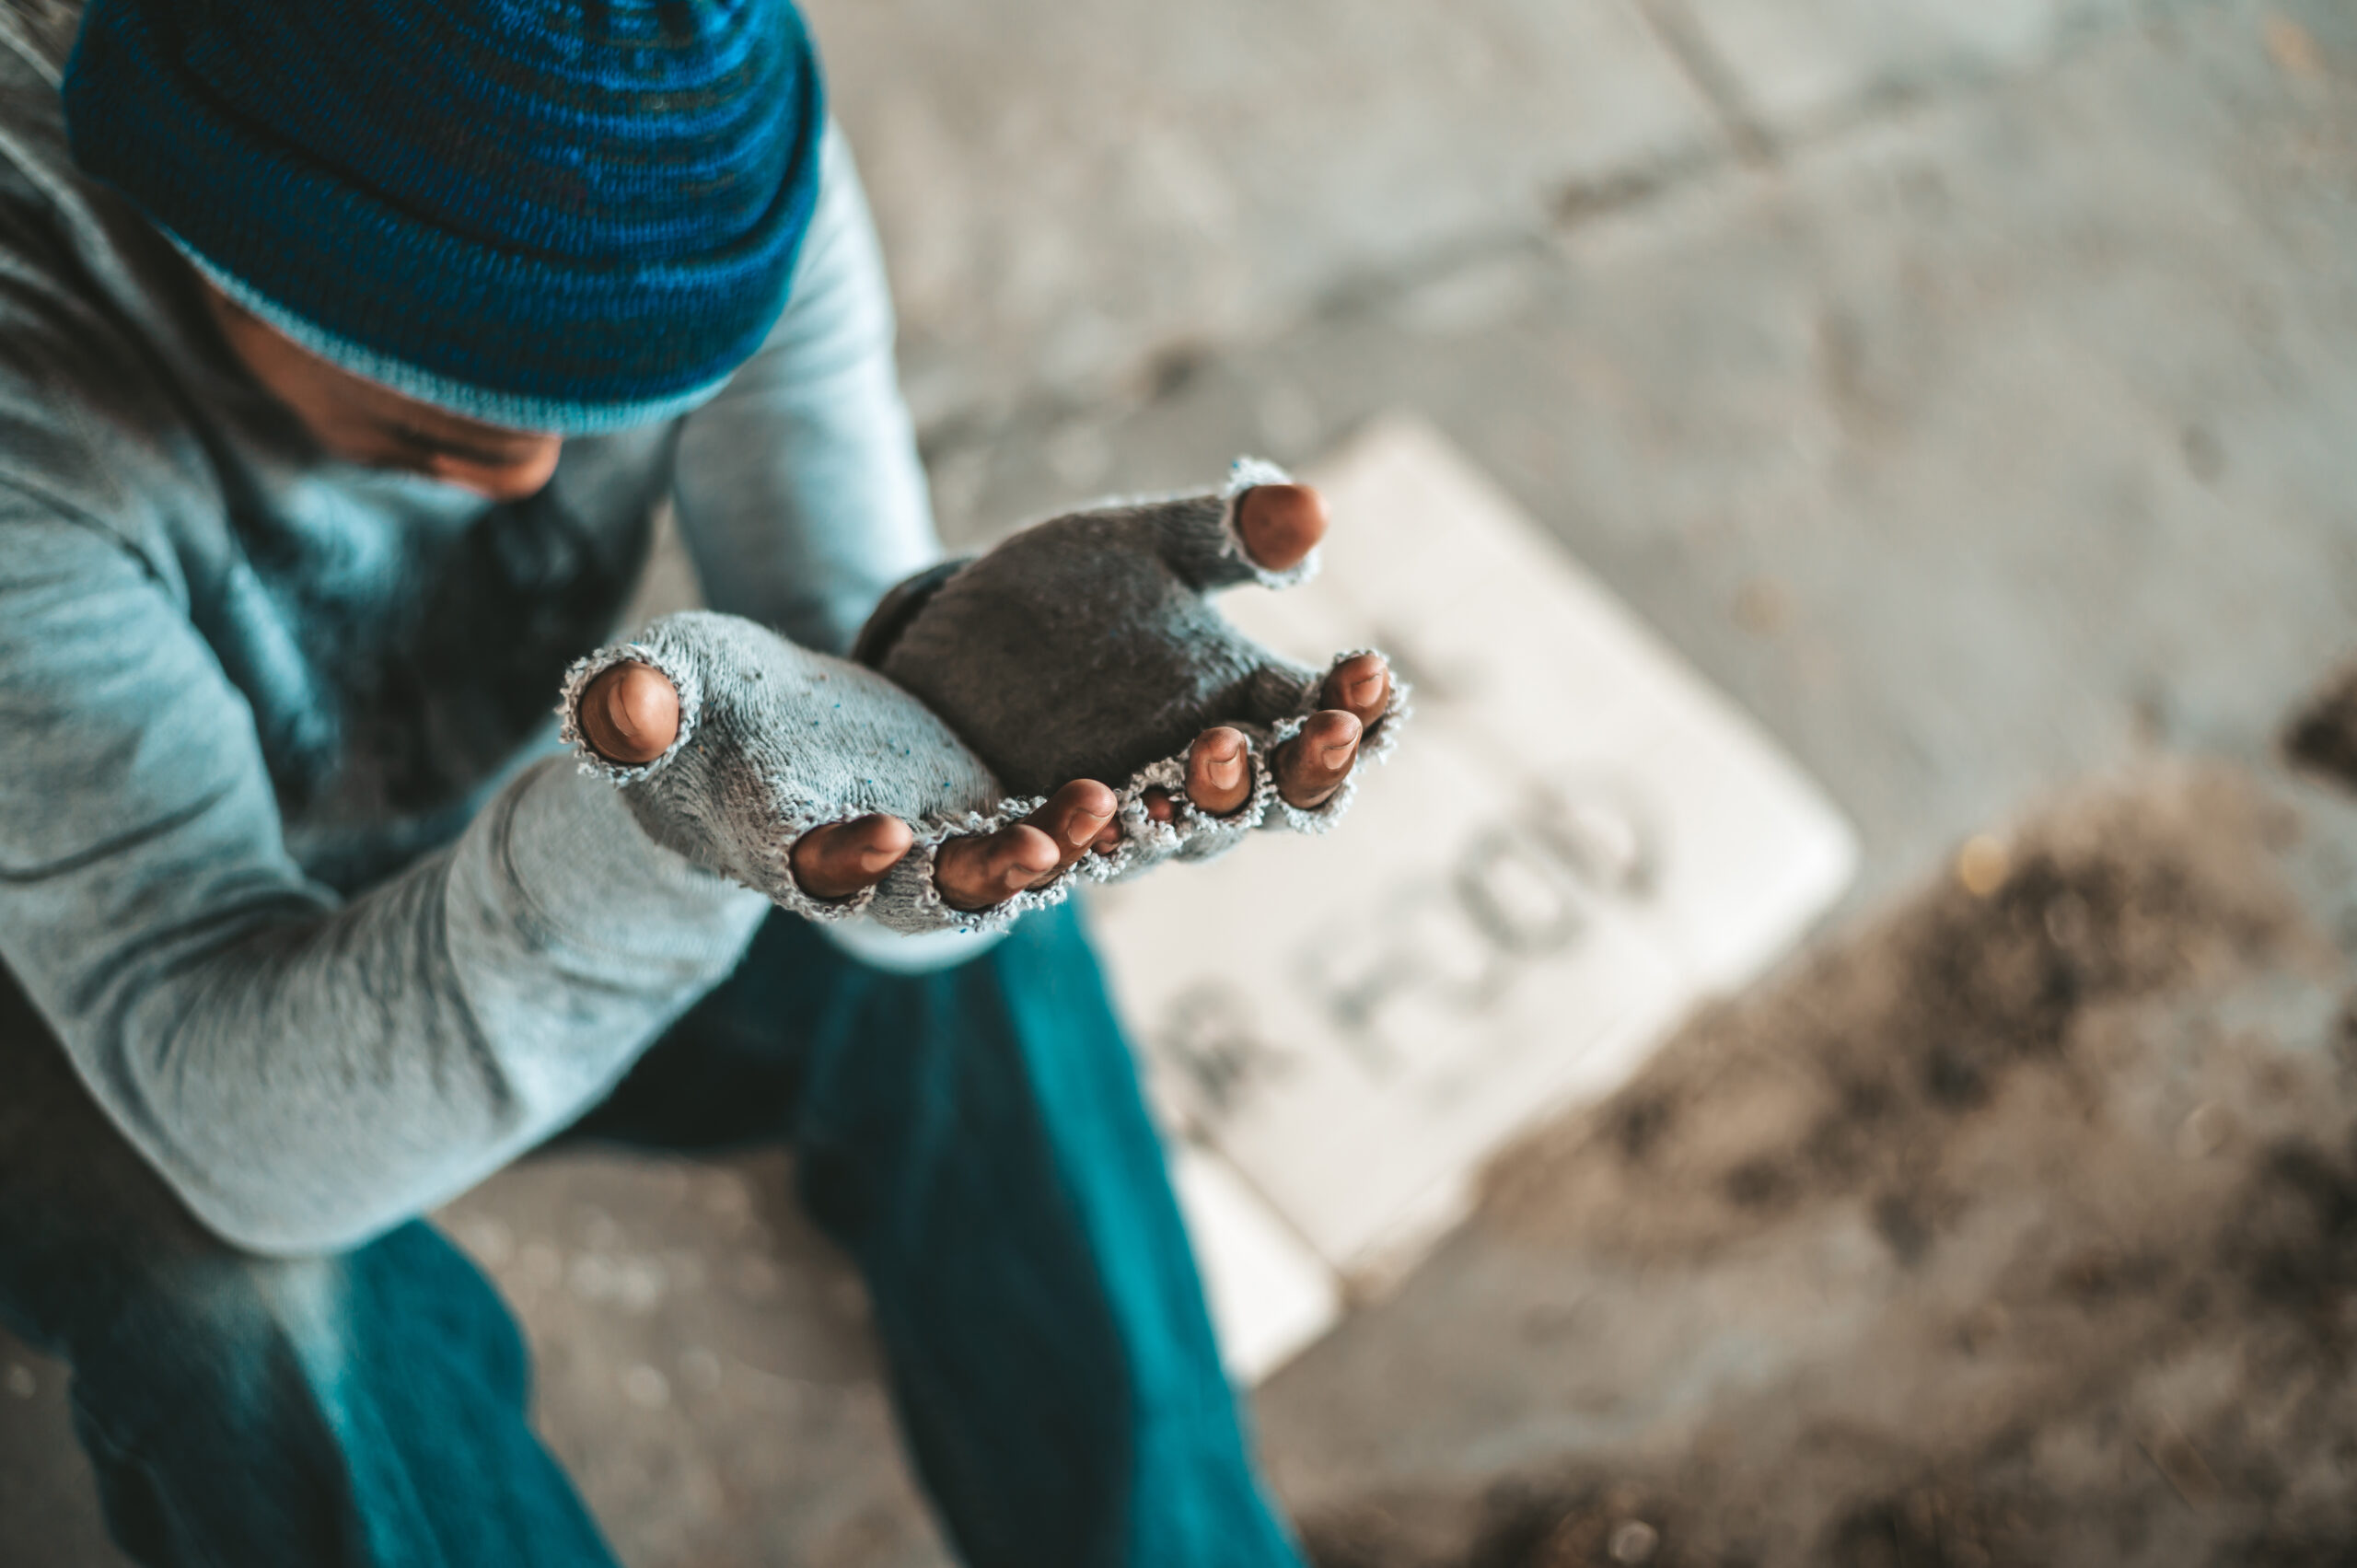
(973, 1138)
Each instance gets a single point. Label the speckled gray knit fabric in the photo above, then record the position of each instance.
(1083, 647)
(1086, 646)
(775, 740)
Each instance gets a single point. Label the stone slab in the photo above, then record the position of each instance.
(1574, 843)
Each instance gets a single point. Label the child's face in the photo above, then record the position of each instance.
(362, 422)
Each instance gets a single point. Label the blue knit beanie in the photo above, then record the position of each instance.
(549, 215)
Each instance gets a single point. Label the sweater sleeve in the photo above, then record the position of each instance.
(305, 1072)
(799, 492)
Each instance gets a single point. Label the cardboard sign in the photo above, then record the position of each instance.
(1575, 842)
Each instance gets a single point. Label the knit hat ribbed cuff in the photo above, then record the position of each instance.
(514, 411)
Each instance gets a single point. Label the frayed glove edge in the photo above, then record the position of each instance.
(915, 902)
(587, 668)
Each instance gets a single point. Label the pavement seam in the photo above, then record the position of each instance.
(1749, 147)
(1673, 25)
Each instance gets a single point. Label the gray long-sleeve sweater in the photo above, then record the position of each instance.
(284, 861)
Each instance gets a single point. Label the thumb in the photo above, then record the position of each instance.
(630, 714)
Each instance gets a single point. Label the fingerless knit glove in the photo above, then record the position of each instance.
(1086, 647)
(775, 740)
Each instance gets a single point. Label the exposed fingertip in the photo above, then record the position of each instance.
(1315, 762)
(1030, 850)
(885, 850)
(1078, 812)
(844, 858)
(1331, 727)
(1363, 688)
(630, 714)
(1218, 745)
(647, 707)
(1281, 524)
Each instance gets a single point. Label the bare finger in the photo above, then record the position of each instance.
(841, 858)
(1079, 818)
(988, 868)
(1313, 764)
(1361, 687)
(1219, 773)
(1281, 524)
(630, 714)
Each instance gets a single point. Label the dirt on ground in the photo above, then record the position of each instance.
(2038, 1200)
(2322, 738)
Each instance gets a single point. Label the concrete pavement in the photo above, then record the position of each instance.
(1966, 389)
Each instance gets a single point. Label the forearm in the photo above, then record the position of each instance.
(307, 1082)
